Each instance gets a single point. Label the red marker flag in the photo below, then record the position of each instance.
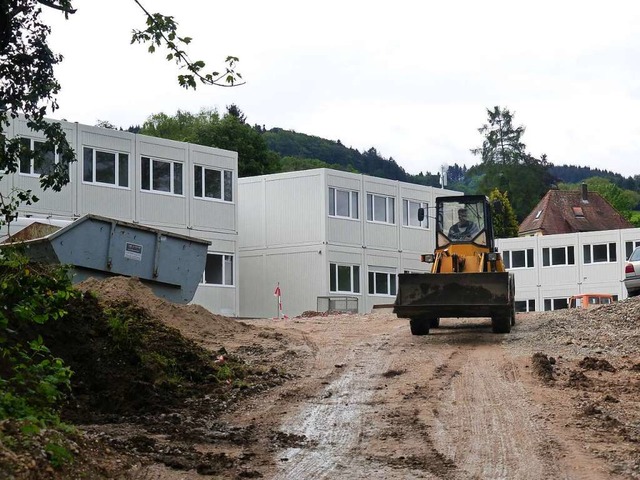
(277, 292)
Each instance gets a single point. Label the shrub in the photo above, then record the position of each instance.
(32, 381)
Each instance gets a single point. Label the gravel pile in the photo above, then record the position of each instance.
(607, 329)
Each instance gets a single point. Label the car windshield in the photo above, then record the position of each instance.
(635, 255)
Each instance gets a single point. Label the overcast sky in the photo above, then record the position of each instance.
(411, 78)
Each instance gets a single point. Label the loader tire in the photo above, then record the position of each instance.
(513, 314)
(501, 323)
(434, 322)
(512, 298)
(419, 326)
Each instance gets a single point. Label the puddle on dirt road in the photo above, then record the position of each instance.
(333, 425)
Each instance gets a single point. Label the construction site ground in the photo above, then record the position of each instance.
(356, 396)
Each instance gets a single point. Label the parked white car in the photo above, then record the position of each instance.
(632, 273)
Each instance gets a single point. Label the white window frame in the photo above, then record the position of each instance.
(553, 303)
(117, 157)
(32, 147)
(226, 187)
(388, 208)
(227, 270)
(529, 259)
(588, 251)
(172, 175)
(630, 246)
(353, 206)
(391, 280)
(530, 305)
(408, 218)
(566, 248)
(334, 278)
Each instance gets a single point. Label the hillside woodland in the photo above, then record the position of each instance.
(523, 178)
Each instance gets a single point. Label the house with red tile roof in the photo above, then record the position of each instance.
(564, 211)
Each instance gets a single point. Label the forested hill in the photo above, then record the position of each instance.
(301, 151)
(573, 174)
(293, 145)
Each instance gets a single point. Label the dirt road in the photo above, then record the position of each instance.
(371, 401)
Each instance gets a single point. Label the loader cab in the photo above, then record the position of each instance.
(463, 220)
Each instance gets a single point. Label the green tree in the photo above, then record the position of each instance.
(505, 224)
(229, 132)
(28, 87)
(507, 166)
(502, 142)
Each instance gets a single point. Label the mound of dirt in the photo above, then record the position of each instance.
(148, 367)
(590, 363)
(543, 366)
(583, 332)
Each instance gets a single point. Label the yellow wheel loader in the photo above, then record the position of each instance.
(467, 278)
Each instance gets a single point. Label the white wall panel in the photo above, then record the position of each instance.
(343, 180)
(106, 201)
(300, 274)
(255, 300)
(378, 235)
(221, 300)
(251, 213)
(104, 138)
(380, 186)
(294, 210)
(162, 210)
(344, 231)
(206, 214)
(418, 240)
(161, 148)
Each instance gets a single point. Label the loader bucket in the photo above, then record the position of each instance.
(437, 295)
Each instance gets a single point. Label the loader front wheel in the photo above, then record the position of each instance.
(419, 326)
(501, 323)
(513, 314)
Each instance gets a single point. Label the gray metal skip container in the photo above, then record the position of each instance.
(99, 247)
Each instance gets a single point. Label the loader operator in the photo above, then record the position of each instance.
(465, 229)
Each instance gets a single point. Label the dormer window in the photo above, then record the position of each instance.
(577, 211)
(538, 214)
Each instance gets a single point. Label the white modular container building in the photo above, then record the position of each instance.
(329, 239)
(550, 268)
(183, 188)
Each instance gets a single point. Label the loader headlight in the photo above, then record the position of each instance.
(492, 256)
(428, 258)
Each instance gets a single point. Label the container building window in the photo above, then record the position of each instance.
(525, 305)
(381, 283)
(104, 167)
(600, 253)
(629, 247)
(343, 203)
(213, 183)
(558, 256)
(380, 208)
(218, 270)
(344, 278)
(555, 303)
(410, 214)
(161, 176)
(518, 258)
(35, 159)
